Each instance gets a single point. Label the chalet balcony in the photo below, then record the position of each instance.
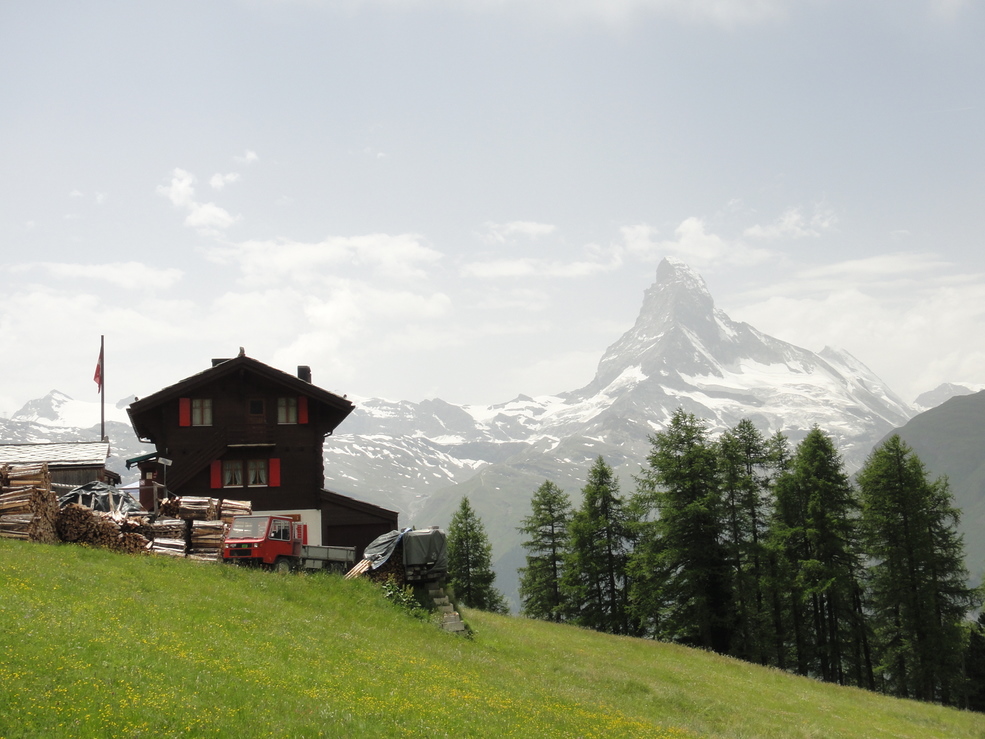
(252, 434)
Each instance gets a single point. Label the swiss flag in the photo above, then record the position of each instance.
(98, 376)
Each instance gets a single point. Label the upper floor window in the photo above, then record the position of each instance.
(201, 411)
(237, 473)
(232, 473)
(194, 411)
(256, 472)
(287, 410)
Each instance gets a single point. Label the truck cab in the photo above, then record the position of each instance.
(281, 543)
(265, 540)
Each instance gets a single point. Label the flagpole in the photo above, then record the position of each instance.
(102, 387)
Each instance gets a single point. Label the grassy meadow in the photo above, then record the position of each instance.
(96, 644)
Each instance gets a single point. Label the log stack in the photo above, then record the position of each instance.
(229, 509)
(168, 536)
(393, 567)
(207, 538)
(82, 525)
(191, 508)
(28, 507)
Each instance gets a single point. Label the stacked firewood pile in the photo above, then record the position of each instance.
(206, 539)
(229, 509)
(167, 536)
(393, 567)
(191, 508)
(81, 525)
(190, 526)
(28, 507)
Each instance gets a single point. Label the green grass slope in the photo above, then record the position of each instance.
(94, 644)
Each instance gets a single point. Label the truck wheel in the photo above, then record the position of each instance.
(282, 565)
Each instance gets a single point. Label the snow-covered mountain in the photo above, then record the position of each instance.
(59, 417)
(682, 352)
(420, 458)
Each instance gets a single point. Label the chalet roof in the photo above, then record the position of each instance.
(328, 496)
(339, 406)
(57, 454)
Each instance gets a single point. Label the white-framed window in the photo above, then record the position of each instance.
(201, 411)
(232, 473)
(256, 472)
(287, 410)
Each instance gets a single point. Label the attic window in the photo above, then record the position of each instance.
(256, 410)
(287, 410)
(194, 411)
(201, 411)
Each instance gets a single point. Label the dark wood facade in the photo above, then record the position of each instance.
(244, 430)
(347, 522)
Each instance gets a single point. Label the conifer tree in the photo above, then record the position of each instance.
(815, 534)
(681, 580)
(974, 666)
(743, 476)
(546, 532)
(594, 579)
(470, 561)
(918, 582)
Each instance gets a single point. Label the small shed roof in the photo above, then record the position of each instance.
(57, 454)
(360, 506)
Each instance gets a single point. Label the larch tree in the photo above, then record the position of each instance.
(743, 458)
(682, 589)
(815, 533)
(917, 580)
(594, 578)
(546, 541)
(470, 561)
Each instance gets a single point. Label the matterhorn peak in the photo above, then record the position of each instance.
(677, 313)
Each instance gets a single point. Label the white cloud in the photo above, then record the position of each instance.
(793, 225)
(693, 244)
(895, 312)
(181, 191)
(128, 275)
(76, 194)
(503, 232)
(534, 267)
(400, 257)
(205, 217)
(247, 157)
(219, 181)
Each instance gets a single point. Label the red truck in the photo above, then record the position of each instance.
(281, 543)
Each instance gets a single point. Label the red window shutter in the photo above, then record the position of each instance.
(273, 473)
(302, 409)
(184, 411)
(216, 472)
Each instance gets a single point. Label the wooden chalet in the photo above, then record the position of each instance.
(246, 431)
(70, 464)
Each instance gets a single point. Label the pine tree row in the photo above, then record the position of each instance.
(749, 548)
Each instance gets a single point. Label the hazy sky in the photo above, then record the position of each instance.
(466, 200)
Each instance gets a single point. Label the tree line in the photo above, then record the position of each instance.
(748, 547)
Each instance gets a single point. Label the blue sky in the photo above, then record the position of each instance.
(466, 200)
